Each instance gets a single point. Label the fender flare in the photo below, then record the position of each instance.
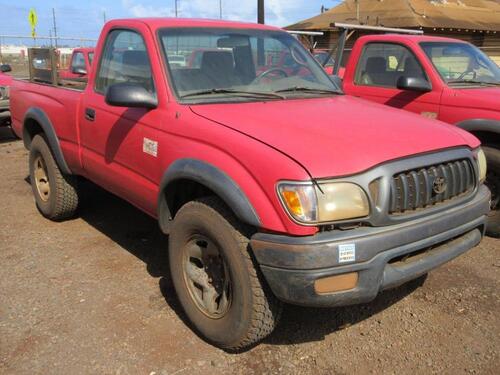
(38, 115)
(478, 124)
(214, 179)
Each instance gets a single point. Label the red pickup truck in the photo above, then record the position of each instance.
(439, 78)
(5, 82)
(272, 185)
(79, 66)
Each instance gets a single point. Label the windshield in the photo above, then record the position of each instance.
(221, 64)
(460, 63)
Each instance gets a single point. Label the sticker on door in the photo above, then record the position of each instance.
(150, 147)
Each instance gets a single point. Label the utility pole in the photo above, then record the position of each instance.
(260, 11)
(176, 10)
(261, 59)
(55, 27)
(104, 16)
(220, 9)
(50, 36)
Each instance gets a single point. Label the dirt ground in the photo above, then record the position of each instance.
(93, 295)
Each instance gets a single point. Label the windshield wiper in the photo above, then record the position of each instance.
(255, 94)
(309, 89)
(471, 81)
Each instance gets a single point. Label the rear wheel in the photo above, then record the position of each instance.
(216, 279)
(55, 194)
(493, 183)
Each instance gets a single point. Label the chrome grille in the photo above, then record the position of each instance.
(428, 186)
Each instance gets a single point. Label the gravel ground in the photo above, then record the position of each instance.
(93, 295)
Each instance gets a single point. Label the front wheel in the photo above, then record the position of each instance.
(493, 183)
(216, 279)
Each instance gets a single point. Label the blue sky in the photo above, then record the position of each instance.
(85, 18)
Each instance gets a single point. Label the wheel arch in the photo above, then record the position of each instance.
(188, 179)
(35, 122)
(486, 130)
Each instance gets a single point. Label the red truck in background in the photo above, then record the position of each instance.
(439, 78)
(272, 185)
(5, 82)
(80, 64)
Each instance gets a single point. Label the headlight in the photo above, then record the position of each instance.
(308, 204)
(4, 92)
(481, 164)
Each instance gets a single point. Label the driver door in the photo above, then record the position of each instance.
(113, 138)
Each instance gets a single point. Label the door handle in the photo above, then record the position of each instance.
(90, 114)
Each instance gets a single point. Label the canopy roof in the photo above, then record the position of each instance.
(448, 14)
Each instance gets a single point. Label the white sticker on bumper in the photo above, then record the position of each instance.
(347, 253)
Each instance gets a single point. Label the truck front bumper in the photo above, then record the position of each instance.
(379, 258)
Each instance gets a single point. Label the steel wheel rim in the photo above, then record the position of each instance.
(207, 277)
(41, 177)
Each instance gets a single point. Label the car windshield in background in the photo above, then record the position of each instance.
(321, 57)
(462, 63)
(218, 64)
(91, 57)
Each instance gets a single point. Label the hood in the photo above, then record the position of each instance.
(479, 98)
(336, 136)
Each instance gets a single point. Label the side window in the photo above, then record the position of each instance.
(124, 59)
(381, 64)
(78, 60)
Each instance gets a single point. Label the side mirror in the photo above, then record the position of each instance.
(4, 68)
(79, 70)
(130, 95)
(413, 84)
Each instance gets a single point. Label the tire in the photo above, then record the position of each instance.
(250, 312)
(493, 183)
(55, 194)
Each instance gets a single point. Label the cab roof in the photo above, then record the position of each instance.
(163, 22)
(401, 38)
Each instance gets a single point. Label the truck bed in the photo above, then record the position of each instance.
(60, 105)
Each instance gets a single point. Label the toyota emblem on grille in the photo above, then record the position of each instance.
(439, 185)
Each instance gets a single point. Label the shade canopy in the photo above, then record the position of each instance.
(447, 14)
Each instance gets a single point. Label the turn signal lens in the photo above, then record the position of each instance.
(300, 201)
(293, 201)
